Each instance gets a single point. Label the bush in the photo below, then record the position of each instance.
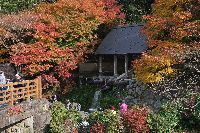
(83, 96)
(109, 118)
(112, 97)
(190, 111)
(166, 120)
(16, 6)
(135, 120)
(72, 120)
(58, 116)
(63, 120)
(196, 106)
(97, 128)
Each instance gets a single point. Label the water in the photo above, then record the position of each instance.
(95, 102)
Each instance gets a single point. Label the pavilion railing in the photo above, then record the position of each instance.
(12, 92)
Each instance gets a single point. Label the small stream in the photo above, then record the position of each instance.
(96, 102)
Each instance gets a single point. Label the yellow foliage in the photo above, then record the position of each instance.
(172, 26)
(152, 69)
(166, 8)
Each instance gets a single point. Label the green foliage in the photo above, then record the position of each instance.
(73, 115)
(197, 108)
(112, 97)
(190, 111)
(83, 96)
(95, 117)
(109, 118)
(165, 120)
(9, 6)
(63, 119)
(58, 116)
(72, 120)
(135, 9)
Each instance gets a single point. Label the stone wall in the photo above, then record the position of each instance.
(35, 118)
(138, 94)
(24, 126)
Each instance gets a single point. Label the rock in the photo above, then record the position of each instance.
(157, 104)
(148, 94)
(139, 95)
(35, 117)
(138, 90)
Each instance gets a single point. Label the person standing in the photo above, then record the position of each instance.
(123, 108)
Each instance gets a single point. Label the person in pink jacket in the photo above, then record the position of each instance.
(123, 107)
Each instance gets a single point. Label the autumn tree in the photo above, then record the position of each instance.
(13, 30)
(59, 35)
(173, 36)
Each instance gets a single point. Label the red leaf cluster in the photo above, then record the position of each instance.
(97, 128)
(136, 120)
(61, 35)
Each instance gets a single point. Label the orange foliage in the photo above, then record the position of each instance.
(61, 35)
(172, 25)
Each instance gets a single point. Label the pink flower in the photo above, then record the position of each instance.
(123, 108)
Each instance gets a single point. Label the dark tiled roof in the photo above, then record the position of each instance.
(123, 40)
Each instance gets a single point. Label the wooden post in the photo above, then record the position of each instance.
(40, 86)
(126, 64)
(28, 91)
(115, 65)
(37, 87)
(11, 95)
(100, 65)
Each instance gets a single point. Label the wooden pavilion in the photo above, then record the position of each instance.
(122, 40)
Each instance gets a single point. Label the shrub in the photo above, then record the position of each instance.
(166, 120)
(135, 120)
(79, 95)
(95, 117)
(58, 116)
(112, 97)
(190, 111)
(110, 118)
(72, 120)
(197, 108)
(97, 128)
(63, 120)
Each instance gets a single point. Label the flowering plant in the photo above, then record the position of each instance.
(109, 118)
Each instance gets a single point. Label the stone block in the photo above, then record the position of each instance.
(33, 119)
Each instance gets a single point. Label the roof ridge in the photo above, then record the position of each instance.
(126, 26)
